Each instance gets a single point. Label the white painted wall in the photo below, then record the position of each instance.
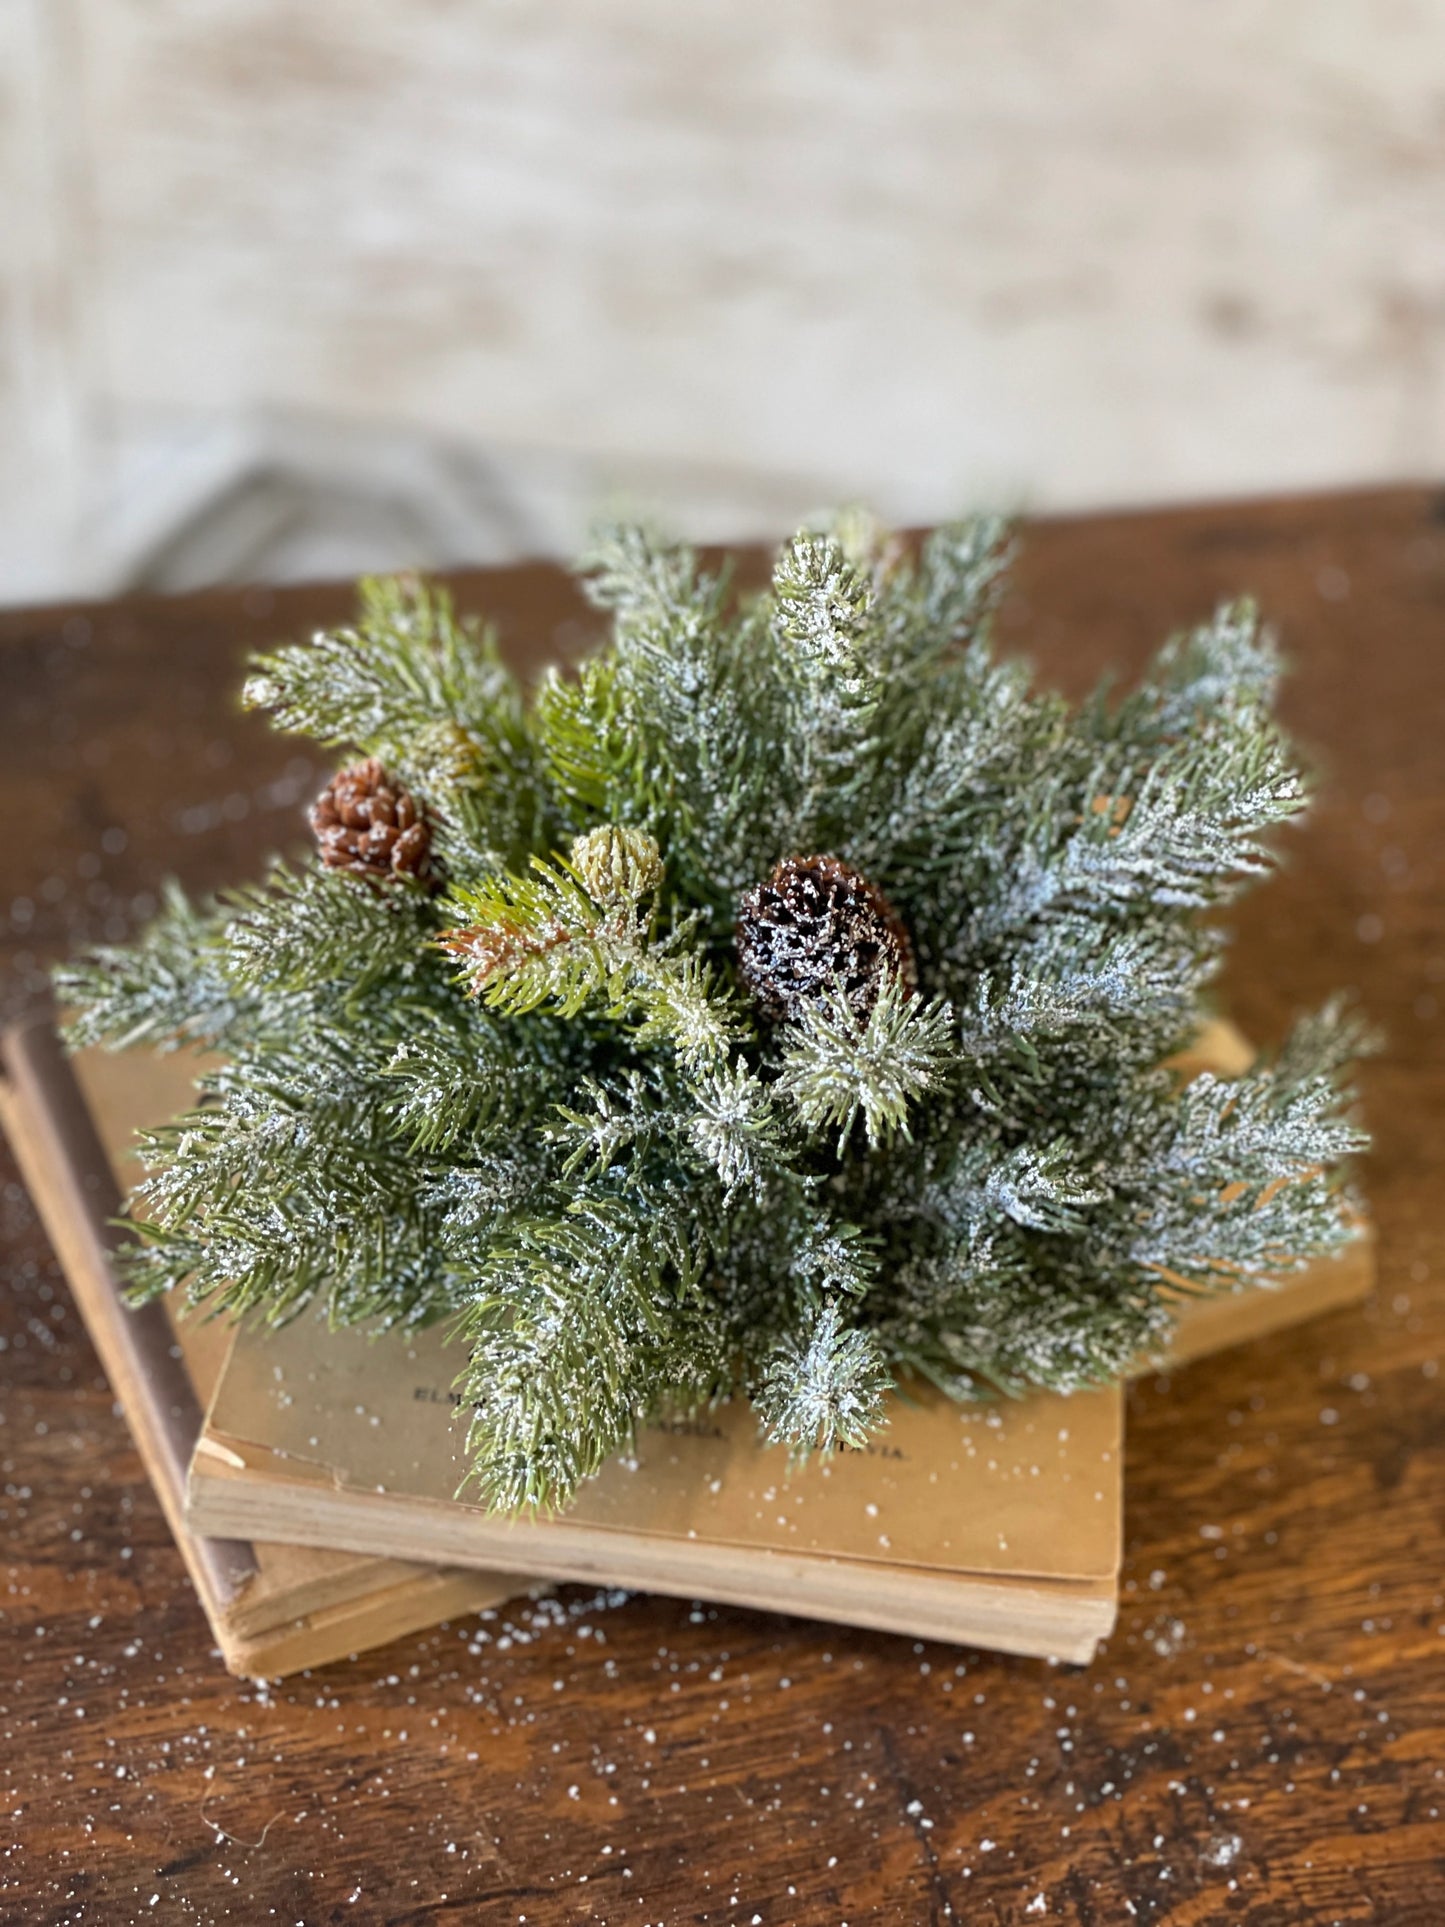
(738, 260)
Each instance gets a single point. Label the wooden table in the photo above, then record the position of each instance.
(1263, 1739)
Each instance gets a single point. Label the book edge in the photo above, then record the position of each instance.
(72, 1184)
(539, 1544)
(70, 1179)
(424, 1600)
(1060, 1618)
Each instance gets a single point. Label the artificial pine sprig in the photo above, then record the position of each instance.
(576, 931)
(839, 1067)
(778, 1006)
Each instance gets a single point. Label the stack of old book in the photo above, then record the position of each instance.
(310, 1475)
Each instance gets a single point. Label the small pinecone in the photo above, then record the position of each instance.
(816, 922)
(365, 822)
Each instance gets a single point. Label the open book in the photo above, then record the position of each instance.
(273, 1609)
(995, 1525)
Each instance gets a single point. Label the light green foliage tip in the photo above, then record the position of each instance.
(538, 1102)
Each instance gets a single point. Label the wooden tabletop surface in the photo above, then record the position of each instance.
(1262, 1740)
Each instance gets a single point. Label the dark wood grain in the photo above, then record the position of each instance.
(1263, 1740)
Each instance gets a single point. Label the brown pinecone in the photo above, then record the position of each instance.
(814, 923)
(367, 823)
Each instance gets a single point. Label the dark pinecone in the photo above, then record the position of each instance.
(367, 823)
(816, 922)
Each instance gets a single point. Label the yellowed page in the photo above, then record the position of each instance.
(1027, 1487)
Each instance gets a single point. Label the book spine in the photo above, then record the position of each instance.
(74, 1188)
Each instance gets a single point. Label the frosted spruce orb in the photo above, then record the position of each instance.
(778, 1006)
